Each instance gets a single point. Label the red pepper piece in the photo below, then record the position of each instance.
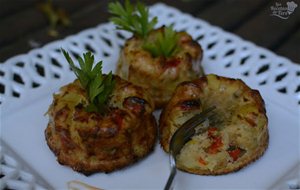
(235, 152)
(172, 63)
(202, 161)
(215, 146)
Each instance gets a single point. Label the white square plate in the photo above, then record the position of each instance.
(42, 71)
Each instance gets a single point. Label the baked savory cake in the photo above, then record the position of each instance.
(89, 141)
(160, 75)
(156, 59)
(239, 139)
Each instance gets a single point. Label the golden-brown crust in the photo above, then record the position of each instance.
(187, 91)
(160, 75)
(90, 142)
(238, 141)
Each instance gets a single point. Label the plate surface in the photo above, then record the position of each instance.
(42, 71)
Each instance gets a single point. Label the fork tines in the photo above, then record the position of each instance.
(187, 130)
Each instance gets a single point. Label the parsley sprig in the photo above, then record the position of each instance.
(165, 43)
(134, 19)
(98, 86)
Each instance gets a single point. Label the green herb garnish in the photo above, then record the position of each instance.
(98, 86)
(134, 19)
(165, 43)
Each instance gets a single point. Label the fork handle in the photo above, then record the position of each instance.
(170, 183)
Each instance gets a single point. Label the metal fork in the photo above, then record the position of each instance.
(182, 136)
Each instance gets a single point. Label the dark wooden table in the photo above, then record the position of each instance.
(24, 27)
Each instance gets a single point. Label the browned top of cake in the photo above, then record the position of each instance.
(90, 142)
(160, 75)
